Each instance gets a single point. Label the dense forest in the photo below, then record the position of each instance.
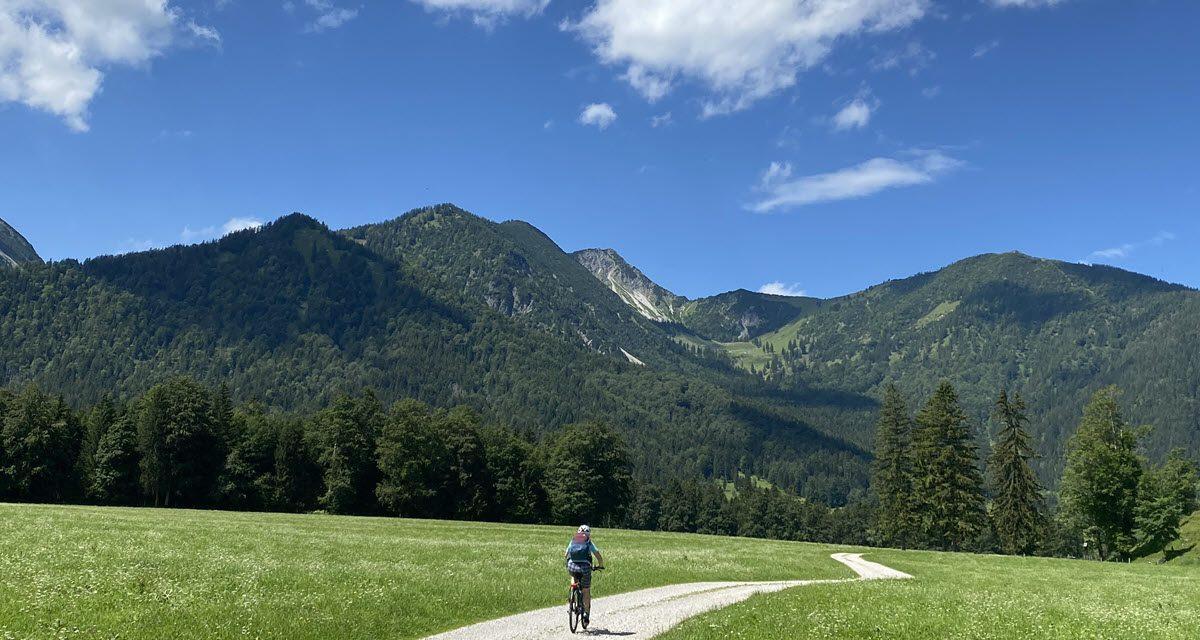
(183, 445)
(1055, 332)
(294, 315)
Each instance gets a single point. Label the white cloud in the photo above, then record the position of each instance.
(782, 191)
(932, 92)
(204, 34)
(329, 16)
(1124, 251)
(651, 86)
(233, 225)
(913, 57)
(486, 13)
(741, 50)
(985, 48)
(600, 115)
(53, 53)
(855, 115)
(1024, 3)
(661, 120)
(778, 288)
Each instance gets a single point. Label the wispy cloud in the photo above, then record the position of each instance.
(329, 16)
(985, 48)
(778, 288)
(1124, 251)
(855, 115)
(781, 191)
(233, 225)
(1024, 3)
(661, 120)
(912, 58)
(486, 14)
(599, 115)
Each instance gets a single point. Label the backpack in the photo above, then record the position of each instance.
(580, 549)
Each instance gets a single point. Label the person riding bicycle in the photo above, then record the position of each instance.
(579, 564)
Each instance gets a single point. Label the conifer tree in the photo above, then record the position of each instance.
(1017, 514)
(892, 477)
(948, 487)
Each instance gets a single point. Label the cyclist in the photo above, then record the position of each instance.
(579, 564)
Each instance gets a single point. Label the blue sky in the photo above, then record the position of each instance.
(715, 144)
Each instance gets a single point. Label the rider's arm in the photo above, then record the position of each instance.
(599, 556)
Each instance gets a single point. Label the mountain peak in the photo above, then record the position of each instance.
(634, 287)
(15, 250)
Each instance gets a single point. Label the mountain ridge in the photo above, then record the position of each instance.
(15, 250)
(452, 308)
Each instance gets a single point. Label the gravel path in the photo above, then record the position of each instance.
(650, 612)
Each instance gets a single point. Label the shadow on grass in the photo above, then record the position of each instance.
(1171, 554)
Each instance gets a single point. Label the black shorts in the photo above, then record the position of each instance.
(582, 572)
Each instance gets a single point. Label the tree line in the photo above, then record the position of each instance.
(1111, 504)
(185, 445)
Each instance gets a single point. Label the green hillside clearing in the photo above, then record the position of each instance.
(1185, 550)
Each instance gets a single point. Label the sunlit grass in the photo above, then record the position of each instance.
(974, 597)
(134, 573)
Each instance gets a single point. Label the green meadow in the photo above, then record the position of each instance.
(140, 573)
(967, 597)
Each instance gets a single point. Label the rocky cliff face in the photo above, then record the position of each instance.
(14, 248)
(625, 280)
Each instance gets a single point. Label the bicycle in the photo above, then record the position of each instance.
(575, 604)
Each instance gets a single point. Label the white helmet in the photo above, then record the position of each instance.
(585, 530)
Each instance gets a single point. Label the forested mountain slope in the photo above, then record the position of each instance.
(1053, 331)
(742, 314)
(14, 248)
(294, 314)
(516, 270)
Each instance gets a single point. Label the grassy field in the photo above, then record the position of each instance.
(974, 597)
(132, 573)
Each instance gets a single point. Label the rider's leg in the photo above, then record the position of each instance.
(587, 601)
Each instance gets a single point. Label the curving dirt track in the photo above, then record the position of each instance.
(650, 612)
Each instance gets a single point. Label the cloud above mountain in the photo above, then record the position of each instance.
(781, 191)
(54, 53)
(741, 51)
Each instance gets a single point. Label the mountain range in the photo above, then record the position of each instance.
(452, 308)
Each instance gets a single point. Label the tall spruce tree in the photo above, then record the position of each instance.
(1100, 481)
(892, 477)
(948, 487)
(1017, 504)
